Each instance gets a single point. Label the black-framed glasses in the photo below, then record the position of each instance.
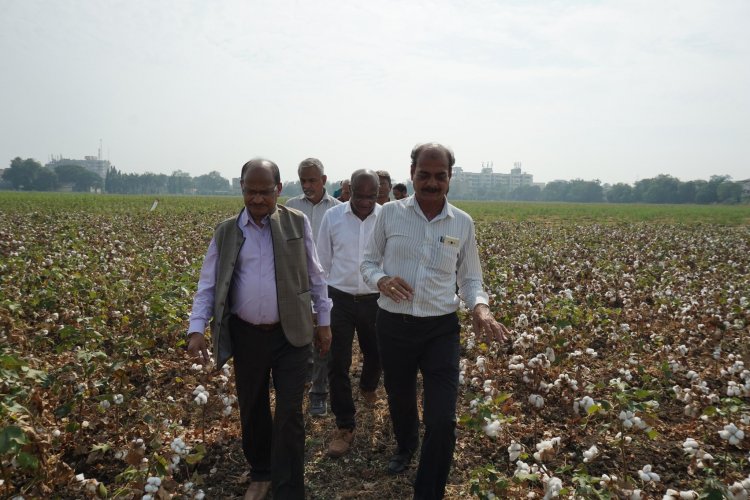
(265, 193)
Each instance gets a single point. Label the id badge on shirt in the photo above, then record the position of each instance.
(449, 241)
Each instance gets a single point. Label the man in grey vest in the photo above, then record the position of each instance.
(259, 276)
(314, 202)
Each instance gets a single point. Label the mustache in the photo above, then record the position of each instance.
(431, 190)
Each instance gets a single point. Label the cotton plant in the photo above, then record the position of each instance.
(180, 450)
(152, 487)
(629, 420)
(680, 495)
(732, 434)
(228, 401)
(648, 475)
(552, 487)
(584, 403)
(515, 450)
(739, 490)
(546, 449)
(590, 454)
(201, 395)
(492, 426)
(536, 401)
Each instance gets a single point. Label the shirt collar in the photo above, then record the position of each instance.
(348, 209)
(447, 210)
(245, 219)
(327, 198)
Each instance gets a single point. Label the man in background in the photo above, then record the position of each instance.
(314, 202)
(343, 236)
(399, 191)
(345, 192)
(384, 190)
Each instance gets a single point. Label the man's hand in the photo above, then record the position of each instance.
(395, 288)
(485, 324)
(322, 339)
(197, 348)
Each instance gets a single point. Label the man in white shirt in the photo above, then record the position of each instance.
(344, 234)
(314, 202)
(421, 248)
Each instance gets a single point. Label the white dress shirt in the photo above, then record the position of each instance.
(314, 212)
(341, 245)
(430, 255)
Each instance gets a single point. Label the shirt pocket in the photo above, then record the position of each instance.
(444, 258)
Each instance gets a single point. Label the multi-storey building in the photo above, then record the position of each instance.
(489, 181)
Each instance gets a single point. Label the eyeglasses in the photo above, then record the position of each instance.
(264, 193)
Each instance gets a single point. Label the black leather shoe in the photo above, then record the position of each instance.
(399, 462)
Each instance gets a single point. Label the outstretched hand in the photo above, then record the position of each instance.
(485, 324)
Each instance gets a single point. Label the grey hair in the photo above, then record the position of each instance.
(420, 148)
(311, 162)
(359, 175)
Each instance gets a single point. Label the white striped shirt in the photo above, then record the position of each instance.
(431, 256)
(341, 244)
(314, 213)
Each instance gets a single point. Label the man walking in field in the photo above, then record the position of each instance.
(421, 248)
(314, 202)
(258, 277)
(344, 233)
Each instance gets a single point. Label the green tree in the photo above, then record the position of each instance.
(660, 189)
(555, 191)
(82, 180)
(46, 180)
(526, 193)
(22, 173)
(179, 182)
(729, 192)
(580, 191)
(620, 193)
(212, 183)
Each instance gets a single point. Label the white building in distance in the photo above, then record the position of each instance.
(487, 180)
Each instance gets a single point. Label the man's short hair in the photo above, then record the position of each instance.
(383, 174)
(361, 174)
(420, 148)
(400, 187)
(311, 162)
(259, 162)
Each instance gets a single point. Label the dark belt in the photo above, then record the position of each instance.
(356, 298)
(408, 318)
(267, 327)
(264, 327)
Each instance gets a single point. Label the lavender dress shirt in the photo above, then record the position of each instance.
(253, 290)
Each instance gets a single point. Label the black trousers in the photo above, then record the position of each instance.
(430, 345)
(273, 445)
(350, 314)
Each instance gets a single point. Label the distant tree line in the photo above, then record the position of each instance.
(30, 175)
(660, 189)
(178, 182)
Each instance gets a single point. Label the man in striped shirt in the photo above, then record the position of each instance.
(421, 248)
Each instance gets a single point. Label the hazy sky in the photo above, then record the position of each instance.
(615, 90)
